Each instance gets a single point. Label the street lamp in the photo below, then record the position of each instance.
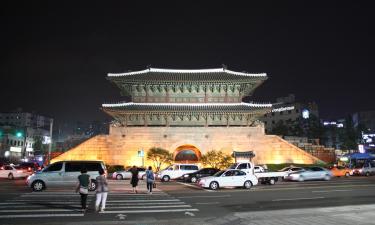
(50, 142)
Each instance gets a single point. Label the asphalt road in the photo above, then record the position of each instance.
(174, 200)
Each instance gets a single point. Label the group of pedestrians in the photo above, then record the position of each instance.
(84, 182)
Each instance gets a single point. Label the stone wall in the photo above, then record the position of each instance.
(122, 144)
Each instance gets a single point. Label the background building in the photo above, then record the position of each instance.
(288, 113)
(22, 134)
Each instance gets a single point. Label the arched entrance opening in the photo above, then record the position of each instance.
(187, 154)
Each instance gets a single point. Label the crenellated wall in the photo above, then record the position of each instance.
(122, 144)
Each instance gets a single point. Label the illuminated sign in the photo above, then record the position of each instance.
(344, 159)
(15, 149)
(361, 149)
(305, 114)
(46, 140)
(283, 109)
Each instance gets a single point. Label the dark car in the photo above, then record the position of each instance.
(205, 172)
(30, 166)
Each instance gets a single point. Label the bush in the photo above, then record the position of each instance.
(114, 168)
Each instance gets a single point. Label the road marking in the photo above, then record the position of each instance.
(331, 191)
(207, 196)
(37, 210)
(295, 199)
(206, 203)
(148, 207)
(39, 215)
(189, 214)
(147, 200)
(194, 186)
(151, 211)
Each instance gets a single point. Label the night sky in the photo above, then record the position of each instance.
(55, 55)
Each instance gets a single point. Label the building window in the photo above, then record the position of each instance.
(273, 114)
(281, 113)
(289, 112)
(273, 121)
(265, 122)
(297, 111)
(265, 115)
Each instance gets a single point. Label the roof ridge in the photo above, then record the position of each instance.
(185, 104)
(160, 70)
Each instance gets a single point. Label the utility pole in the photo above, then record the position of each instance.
(50, 143)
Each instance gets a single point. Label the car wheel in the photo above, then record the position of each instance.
(272, 181)
(38, 185)
(119, 177)
(214, 185)
(301, 178)
(10, 176)
(367, 174)
(347, 174)
(166, 178)
(247, 184)
(327, 177)
(193, 179)
(92, 185)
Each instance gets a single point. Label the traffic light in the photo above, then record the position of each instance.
(19, 134)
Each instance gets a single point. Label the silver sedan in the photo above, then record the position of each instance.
(310, 173)
(120, 175)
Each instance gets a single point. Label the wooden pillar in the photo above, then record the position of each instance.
(145, 118)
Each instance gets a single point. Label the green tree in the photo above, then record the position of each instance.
(159, 157)
(216, 159)
(38, 144)
(280, 129)
(349, 135)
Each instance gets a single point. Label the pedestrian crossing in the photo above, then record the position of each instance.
(66, 203)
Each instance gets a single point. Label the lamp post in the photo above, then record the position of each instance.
(141, 154)
(50, 143)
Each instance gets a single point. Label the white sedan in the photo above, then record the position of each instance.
(11, 172)
(228, 178)
(120, 175)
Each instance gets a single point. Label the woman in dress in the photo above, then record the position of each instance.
(135, 179)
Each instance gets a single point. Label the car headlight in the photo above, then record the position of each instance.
(186, 175)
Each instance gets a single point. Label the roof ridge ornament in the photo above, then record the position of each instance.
(251, 104)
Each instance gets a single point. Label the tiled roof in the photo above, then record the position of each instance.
(186, 75)
(231, 107)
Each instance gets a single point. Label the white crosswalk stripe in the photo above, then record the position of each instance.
(65, 203)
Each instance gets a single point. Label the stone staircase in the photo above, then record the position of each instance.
(313, 147)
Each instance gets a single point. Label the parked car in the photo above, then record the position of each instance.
(64, 173)
(365, 169)
(259, 169)
(175, 171)
(310, 173)
(30, 166)
(229, 178)
(11, 172)
(340, 171)
(193, 177)
(126, 174)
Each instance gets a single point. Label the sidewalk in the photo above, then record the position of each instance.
(342, 215)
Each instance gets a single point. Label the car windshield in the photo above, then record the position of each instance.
(285, 169)
(359, 166)
(218, 174)
(234, 166)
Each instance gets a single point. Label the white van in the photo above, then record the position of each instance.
(64, 173)
(175, 171)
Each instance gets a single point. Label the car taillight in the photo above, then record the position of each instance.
(19, 171)
(29, 169)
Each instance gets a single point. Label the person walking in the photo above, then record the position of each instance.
(101, 191)
(135, 179)
(83, 187)
(150, 179)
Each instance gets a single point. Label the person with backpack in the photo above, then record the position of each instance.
(101, 191)
(150, 179)
(83, 185)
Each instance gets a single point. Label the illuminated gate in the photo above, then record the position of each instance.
(187, 154)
